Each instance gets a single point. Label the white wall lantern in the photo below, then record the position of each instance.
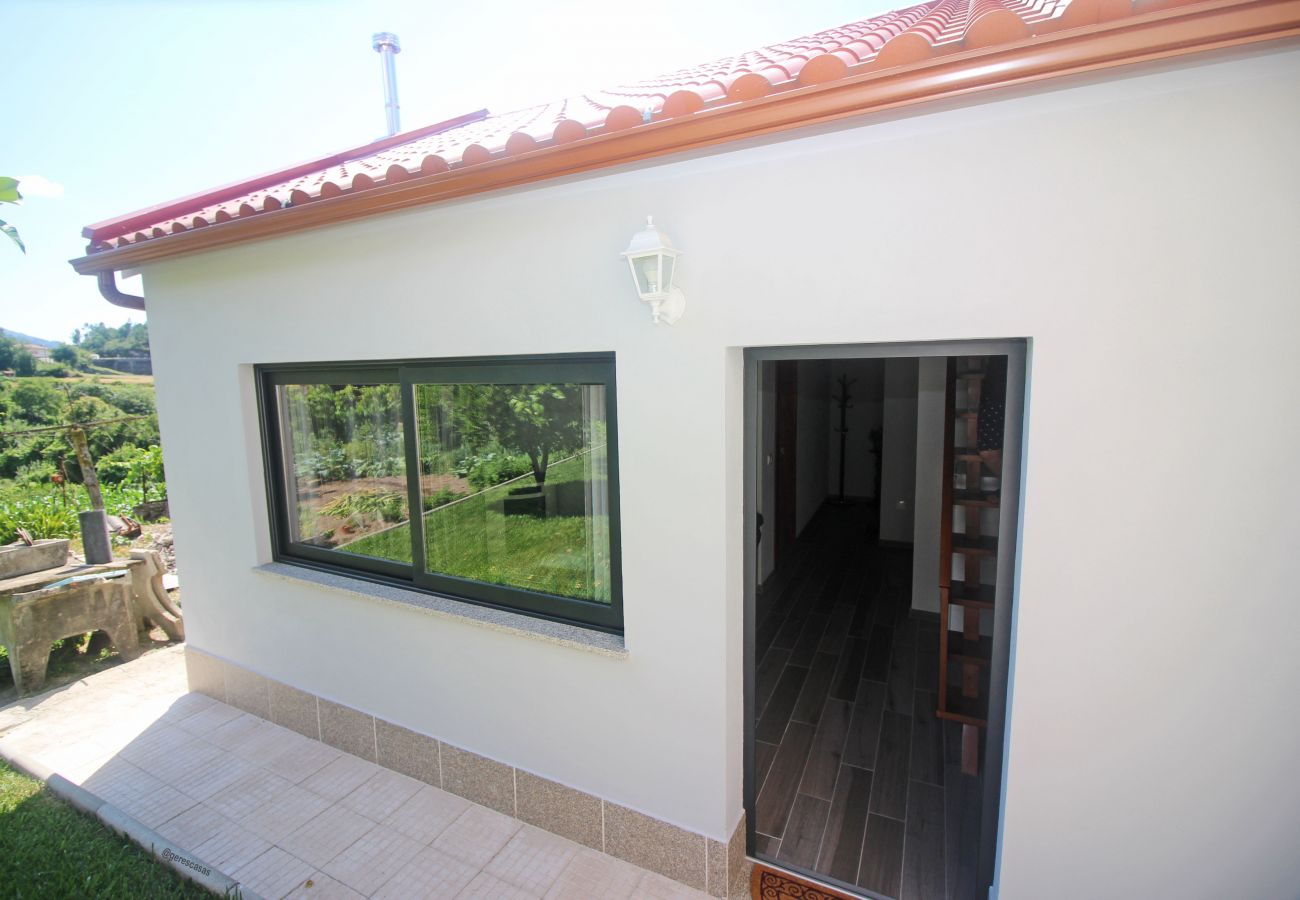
(653, 261)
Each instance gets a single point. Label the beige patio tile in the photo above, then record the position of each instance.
(247, 793)
(231, 847)
(77, 773)
(292, 809)
(222, 771)
(320, 886)
(327, 835)
(299, 759)
(426, 814)
(75, 757)
(265, 741)
(157, 742)
(477, 835)
(193, 826)
(208, 720)
(430, 873)
(340, 777)
(185, 706)
(120, 781)
(235, 732)
(533, 859)
(381, 795)
(591, 874)
(154, 806)
(273, 873)
(372, 859)
(489, 887)
(182, 764)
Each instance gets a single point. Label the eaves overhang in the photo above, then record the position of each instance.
(1062, 49)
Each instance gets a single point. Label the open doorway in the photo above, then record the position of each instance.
(878, 610)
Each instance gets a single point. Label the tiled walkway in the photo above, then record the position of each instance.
(288, 816)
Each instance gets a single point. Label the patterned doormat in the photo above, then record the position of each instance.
(770, 884)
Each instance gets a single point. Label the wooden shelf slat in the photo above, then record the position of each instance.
(988, 499)
(977, 597)
(979, 651)
(980, 546)
(967, 710)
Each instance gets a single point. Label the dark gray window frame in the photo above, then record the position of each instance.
(406, 373)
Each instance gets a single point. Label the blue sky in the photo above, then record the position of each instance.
(120, 105)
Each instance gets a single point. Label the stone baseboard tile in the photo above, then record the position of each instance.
(718, 868)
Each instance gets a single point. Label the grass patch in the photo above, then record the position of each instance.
(474, 539)
(48, 849)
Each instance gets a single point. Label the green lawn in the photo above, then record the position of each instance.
(48, 849)
(473, 539)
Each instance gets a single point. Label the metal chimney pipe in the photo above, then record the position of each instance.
(387, 46)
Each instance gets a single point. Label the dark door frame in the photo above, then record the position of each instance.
(787, 432)
(1017, 351)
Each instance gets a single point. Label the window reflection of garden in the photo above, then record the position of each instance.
(513, 480)
(348, 460)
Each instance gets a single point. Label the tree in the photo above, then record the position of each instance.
(130, 339)
(9, 194)
(535, 419)
(71, 356)
(14, 355)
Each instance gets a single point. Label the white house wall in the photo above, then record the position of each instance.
(1143, 232)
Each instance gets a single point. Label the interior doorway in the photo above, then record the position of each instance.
(878, 613)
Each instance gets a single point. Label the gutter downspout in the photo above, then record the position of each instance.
(108, 287)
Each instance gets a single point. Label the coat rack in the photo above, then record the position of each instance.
(843, 398)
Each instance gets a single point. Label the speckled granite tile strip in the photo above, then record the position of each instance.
(557, 808)
(651, 844)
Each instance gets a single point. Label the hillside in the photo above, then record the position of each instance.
(29, 339)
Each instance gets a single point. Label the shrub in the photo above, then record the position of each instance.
(363, 507)
(493, 467)
(442, 498)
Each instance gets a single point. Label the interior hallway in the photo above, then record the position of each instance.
(857, 780)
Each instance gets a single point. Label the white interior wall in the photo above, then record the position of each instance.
(898, 468)
(812, 440)
(931, 387)
(1146, 653)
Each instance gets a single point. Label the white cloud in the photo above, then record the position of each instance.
(38, 186)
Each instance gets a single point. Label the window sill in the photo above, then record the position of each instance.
(497, 619)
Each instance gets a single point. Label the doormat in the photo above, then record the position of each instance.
(771, 884)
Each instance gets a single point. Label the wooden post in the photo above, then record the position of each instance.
(88, 474)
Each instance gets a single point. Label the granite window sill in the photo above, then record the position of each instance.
(573, 636)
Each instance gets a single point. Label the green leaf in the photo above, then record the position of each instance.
(9, 190)
(13, 234)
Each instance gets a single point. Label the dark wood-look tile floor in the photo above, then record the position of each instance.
(858, 781)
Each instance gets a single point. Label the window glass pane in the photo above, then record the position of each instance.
(345, 468)
(514, 485)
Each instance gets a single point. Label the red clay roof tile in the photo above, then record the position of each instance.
(898, 38)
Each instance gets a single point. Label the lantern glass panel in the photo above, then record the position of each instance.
(647, 273)
(669, 264)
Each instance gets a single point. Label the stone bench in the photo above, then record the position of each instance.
(119, 598)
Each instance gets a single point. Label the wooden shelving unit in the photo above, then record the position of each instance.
(965, 655)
